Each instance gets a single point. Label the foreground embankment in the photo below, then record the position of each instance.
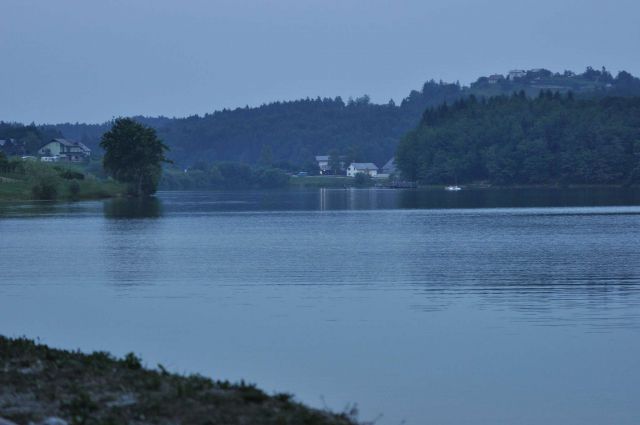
(43, 385)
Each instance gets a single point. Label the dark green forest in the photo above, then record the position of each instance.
(295, 131)
(552, 139)
(27, 139)
(500, 139)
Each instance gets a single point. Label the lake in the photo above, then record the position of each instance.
(482, 306)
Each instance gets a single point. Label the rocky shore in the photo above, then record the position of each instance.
(45, 386)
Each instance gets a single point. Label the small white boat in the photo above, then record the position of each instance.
(453, 188)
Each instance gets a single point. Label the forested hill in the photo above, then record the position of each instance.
(295, 131)
(551, 139)
(292, 131)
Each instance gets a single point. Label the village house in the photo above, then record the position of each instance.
(323, 164)
(390, 167)
(362, 167)
(65, 150)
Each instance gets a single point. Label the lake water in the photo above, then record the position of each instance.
(429, 307)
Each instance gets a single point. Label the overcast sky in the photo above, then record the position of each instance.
(88, 61)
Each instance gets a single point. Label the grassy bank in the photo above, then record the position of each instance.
(38, 382)
(322, 181)
(38, 181)
(21, 190)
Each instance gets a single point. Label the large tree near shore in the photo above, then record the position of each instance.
(134, 155)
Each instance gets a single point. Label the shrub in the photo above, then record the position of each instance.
(362, 180)
(74, 189)
(131, 361)
(44, 190)
(71, 175)
(81, 409)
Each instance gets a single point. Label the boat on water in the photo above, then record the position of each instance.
(453, 188)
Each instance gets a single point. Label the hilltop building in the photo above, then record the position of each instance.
(495, 78)
(516, 73)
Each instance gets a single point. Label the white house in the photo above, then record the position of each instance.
(66, 150)
(362, 167)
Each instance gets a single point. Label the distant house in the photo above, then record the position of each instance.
(516, 73)
(323, 163)
(390, 167)
(362, 167)
(65, 150)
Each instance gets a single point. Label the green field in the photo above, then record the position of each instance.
(39, 181)
(322, 181)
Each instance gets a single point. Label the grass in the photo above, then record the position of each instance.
(322, 181)
(93, 389)
(21, 190)
(15, 190)
(39, 181)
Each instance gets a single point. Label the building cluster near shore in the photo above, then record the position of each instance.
(353, 168)
(55, 150)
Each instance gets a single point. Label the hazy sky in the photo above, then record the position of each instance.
(86, 60)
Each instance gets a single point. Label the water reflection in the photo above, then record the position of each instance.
(447, 296)
(441, 246)
(128, 208)
(332, 199)
(131, 250)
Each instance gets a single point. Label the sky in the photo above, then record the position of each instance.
(92, 60)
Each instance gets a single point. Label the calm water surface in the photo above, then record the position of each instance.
(477, 307)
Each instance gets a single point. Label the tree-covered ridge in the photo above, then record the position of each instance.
(553, 138)
(295, 131)
(29, 137)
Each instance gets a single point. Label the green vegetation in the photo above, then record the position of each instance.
(553, 139)
(133, 155)
(322, 181)
(224, 175)
(356, 129)
(28, 138)
(32, 180)
(287, 135)
(362, 180)
(94, 389)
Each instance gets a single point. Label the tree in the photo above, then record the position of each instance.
(362, 180)
(134, 155)
(4, 163)
(335, 164)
